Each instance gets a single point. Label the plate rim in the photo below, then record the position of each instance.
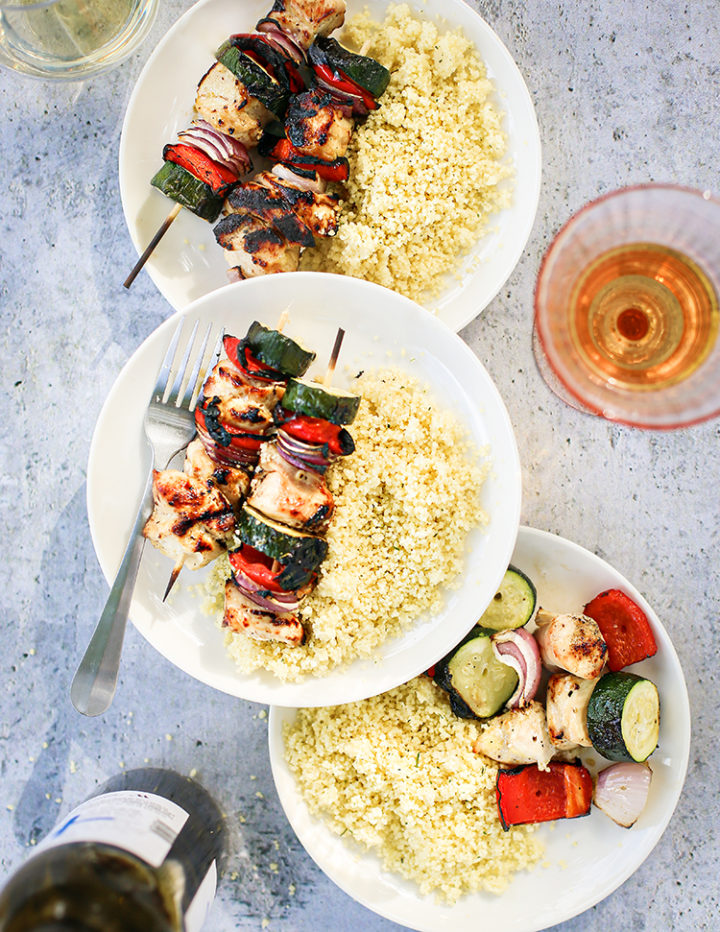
(530, 202)
(280, 772)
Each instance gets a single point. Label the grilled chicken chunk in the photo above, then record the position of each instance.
(245, 616)
(233, 482)
(517, 737)
(317, 125)
(298, 498)
(304, 20)
(272, 208)
(190, 520)
(566, 705)
(317, 210)
(252, 248)
(242, 406)
(571, 642)
(225, 103)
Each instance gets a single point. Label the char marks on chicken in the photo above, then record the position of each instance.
(304, 20)
(233, 482)
(191, 520)
(295, 497)
(243, 615)
(318, 126)
(242, 405)
(307, 199)
(273, 209)
(225, 103)
(252, 248)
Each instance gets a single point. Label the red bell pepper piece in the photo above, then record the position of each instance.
(527, 794)
(624, 626)
(315, 430)
(226, 439)
(344, 84)
(241, 357)
(285, 151)
(219, 177)
(257, 566)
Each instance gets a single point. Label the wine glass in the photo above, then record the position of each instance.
(626, 307)
(71, 39)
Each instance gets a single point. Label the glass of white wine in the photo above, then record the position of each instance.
(71, 39)
(626, 307)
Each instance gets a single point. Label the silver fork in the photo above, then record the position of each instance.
(169, 427)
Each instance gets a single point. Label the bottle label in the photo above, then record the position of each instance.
(143, 824)
(200, 904)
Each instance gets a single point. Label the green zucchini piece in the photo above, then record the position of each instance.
(315, 400)
(514, 603)
(479, 685)
(258, 82)
(300, 553)
(623, 717)
(363, 70)
(184, 188)
(278, 351)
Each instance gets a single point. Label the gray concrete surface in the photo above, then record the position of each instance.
(625, 92)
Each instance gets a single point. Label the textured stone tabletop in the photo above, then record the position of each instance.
(625, 92)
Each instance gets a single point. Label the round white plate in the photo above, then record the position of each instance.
(586, 859)
(381, 328)
(188, 263)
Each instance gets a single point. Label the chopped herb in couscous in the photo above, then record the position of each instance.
(405, 503)
(427, 168)
(396, 774)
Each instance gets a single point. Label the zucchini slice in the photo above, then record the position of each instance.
(315, 400)
(256, 79)
(300, 553)
(180, 186)
(514, 603)
(278, 351)
(623, 717)
(479, 685)
(363, 70)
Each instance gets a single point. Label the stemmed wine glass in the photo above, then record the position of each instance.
(626, 307)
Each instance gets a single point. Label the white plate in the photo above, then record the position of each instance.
(588, 858)
(188, 262)
(378, 323)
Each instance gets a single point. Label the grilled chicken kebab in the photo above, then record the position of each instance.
(294, 94)
(253, 481)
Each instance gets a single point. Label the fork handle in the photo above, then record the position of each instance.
(95, 680)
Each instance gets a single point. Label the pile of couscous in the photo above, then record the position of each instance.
(396, 774)
(426, 169)
(405, 503)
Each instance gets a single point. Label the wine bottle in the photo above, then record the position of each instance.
(141, 855)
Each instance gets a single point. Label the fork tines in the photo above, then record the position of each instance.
(192, 382)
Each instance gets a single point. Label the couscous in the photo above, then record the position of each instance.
(396, 774)
(428, 169)
(405, 503)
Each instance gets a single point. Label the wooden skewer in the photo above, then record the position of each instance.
(284, 318)
(327, 378)
(164, 227)
(173, 576)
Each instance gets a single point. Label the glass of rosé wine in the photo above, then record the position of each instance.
(626, 307)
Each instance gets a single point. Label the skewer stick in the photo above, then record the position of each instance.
(164, 227)
(173, 576)
(284, 318)
(327, 378)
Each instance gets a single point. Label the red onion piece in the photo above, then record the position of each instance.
(317, 185)
(277, 602)
(226, 456)
(274, 32)
(343, 98)
(223, 149)
(621, 792)
(519, 650)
